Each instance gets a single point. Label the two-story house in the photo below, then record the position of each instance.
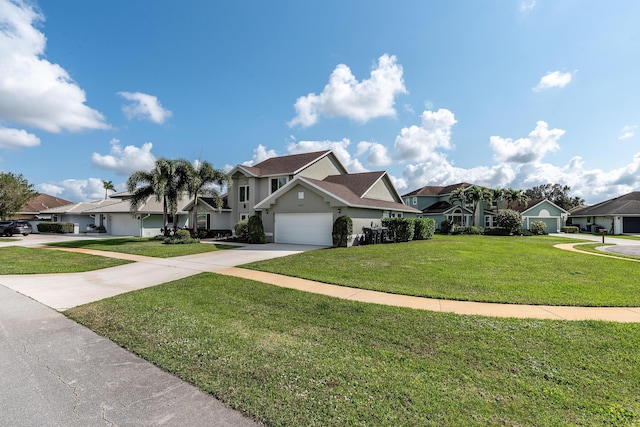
(298, 197)
(434, 201)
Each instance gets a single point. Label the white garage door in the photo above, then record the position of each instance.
(124, 225)
(305, 229)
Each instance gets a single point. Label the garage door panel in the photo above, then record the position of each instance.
(306, 229)
(631, 225)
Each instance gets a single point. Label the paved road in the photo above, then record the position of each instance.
(622, 246)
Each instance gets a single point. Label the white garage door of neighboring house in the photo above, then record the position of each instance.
(124, 225)
(304, 228)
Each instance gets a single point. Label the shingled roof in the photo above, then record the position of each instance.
(285, 165)
(41, 202)
(627, 204)
(358, 183)
(436, 190)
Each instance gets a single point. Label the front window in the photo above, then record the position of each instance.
(244, 216)
(201, 222)
(276, 183)
(488, 221)
(415, 201)
(243, 192)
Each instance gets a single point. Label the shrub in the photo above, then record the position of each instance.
(570, 229)
(537, 228)
(400, 229)
(471, 229)
(510, 220)
(242, 230)
(55, 227)
(180, 237)
(424, 228)
(496, 232)
(342, 230)
(446, 226)
(524, 232)
(255, 230)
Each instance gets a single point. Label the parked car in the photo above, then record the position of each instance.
(9, 228)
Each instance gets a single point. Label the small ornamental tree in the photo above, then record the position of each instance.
(342, 230)
(242, 230)
(509, 220)
(255, 230)
(537, 228)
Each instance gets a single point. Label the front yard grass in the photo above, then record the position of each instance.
(146, 246)
(523, 270)
(288, 358)
(20, 260)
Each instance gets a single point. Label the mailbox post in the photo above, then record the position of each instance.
(603, 231)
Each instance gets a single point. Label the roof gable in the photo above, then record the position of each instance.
(358, 183)
(283, 165)
(43, 201)
(437, 190)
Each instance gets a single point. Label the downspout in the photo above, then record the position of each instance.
(142, 223)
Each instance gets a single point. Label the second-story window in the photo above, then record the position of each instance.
(415, 200)
(243, 193)
(276, 183)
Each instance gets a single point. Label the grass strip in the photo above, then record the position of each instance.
(145, 246)
(506, 269)
(20, 260)
(290, 358)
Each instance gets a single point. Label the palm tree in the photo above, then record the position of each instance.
(166, 181)
(475, 195)
(515, 196)
(107, 185)
(202, 178)
(498, 195)
(458, 195)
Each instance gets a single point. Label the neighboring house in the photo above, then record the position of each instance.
(209, 217)
(551, 214)
(115, 215)
(298, 197)
(620, 215)
(31, 211)
(78, 213)
(434, 202)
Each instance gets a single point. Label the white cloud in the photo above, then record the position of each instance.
(540, 141)
(339, 149)
(344, 96)
(527, 5)
(378, 155)
(260, 154)
(553, 79)
(77, 190)
(125, 161)
(628, 132)
(15, 138)
(418, 143)
(144, 106)
(34, 91)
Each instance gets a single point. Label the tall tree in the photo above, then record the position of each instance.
(555, 193)
(15, 192)
(166, 181)
(475, 195)
(203, 179)
(108, 186)
(458, 195)
(498, 195)
(513, 196)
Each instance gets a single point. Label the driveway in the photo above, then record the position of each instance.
(64, 291)
(622, 246)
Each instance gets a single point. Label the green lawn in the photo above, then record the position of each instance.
(288, 358)
(524, 270)
(20, 260)
(141, 246)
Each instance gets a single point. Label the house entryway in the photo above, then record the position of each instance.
(304, 228)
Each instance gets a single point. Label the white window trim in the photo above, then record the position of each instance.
(246, 193)
(286, 178)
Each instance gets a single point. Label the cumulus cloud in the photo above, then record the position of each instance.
(419, 143)
(628, 132)
(77, 190)
(553, 79)
(260, 154)
(125, 161)
(540, 141)
(377, 153)
(34, 91)
(527, 5)
(345, 96)
(144, 107)
(339, 148)
(17, 138)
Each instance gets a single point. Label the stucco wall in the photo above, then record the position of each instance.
(381, 191)
(322, 169)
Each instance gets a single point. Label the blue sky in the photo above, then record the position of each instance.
(497, 93)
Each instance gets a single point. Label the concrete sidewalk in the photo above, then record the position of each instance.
(58, 373)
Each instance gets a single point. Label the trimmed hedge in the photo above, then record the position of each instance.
(570, 229)
(55, 227)
(255, 230)
(180, 237)
(400, 229)
(468, 229)
(424, 228)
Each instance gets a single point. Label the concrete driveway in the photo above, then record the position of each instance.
(67, 290)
